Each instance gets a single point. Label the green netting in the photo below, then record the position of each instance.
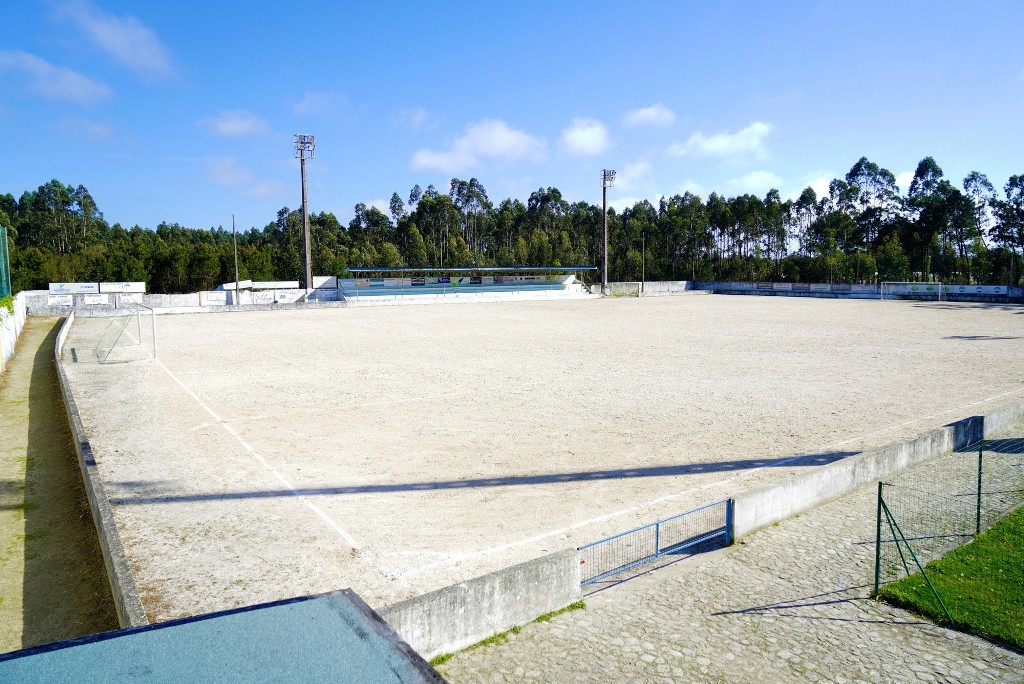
(5, 264)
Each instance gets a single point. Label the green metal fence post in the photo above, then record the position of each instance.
(878, 541)
(977, 519)
(5, 264)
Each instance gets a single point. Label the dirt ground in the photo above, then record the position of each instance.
(396, 450)
(53, 585)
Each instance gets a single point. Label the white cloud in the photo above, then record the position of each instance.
(227, 172)
(755, 182)
(52, 82)
(903, 180)
(489, 138)
(633, 175)
(414, 118)
(745, 143)
(125, 38)
(585, 137)
(690, 185)
(817, 181)
(82, 129)
(320, 103)
(235, 124)
(384, 206)
(262, 189)
(655, 115)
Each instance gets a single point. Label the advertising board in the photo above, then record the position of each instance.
(74, 288)
(111, 288)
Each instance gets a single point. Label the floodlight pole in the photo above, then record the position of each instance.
(234, 241)
(607, 181)
(304, 147)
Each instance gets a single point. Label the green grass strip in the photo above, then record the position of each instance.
(981, 583)
(502, 637)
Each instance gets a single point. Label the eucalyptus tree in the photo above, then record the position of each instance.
(805, 212)
(876, 199)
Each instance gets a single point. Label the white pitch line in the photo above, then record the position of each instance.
(661, 499)
(262, 461)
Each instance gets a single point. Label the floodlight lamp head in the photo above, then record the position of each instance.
(607, 178)
(304, 146)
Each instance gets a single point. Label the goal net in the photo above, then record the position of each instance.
(891, 289)
(129, 335)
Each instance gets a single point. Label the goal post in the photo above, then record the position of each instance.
(898, 288)
(127, 336)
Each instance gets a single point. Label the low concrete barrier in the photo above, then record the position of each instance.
(10, 328)
(761, 507)
(130, 612)
(458, 616)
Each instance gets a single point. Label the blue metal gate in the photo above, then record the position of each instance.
(706, 525)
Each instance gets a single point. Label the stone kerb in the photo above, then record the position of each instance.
(460, 615)
(130, 612)
(761, 507)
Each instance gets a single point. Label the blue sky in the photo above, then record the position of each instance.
(184, 112)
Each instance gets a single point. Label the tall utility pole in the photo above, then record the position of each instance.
(304, 147)
(607, 181)
(234, 241)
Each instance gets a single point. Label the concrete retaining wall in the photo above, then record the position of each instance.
(450, 619)
(10, 328)
(761, 507)
(130, 612)
(850, 291)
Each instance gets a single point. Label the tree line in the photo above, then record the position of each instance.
(863, 230)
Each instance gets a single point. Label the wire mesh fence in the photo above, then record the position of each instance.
(925, 513)
(706, 526)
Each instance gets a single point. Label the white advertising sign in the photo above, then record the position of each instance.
(218, 298)
(95, 299)
(275, 285)
(123, 287)
(327, 282)
(130, 298)
(974, 289)
(60, 300)
(263, 297)
(287, 296)
(242, 285)
(74, 288)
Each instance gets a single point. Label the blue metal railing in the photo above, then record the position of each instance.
(674, 535)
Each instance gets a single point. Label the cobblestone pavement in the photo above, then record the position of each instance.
(788, 604)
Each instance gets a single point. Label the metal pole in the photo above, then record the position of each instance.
(234, 239)
(604, 252)
(643, 260)
(305, 227)
(878, 541)
(977, 518)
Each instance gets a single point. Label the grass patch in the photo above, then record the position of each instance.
(981, 583)
(501, 637)
(546, 617)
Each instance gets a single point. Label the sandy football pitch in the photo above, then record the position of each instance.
(397, 450)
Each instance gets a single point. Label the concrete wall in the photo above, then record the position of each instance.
(10, 328)
(847, 291)
(649, 288)
(130, 612)
(450, 619)
(761, 507)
